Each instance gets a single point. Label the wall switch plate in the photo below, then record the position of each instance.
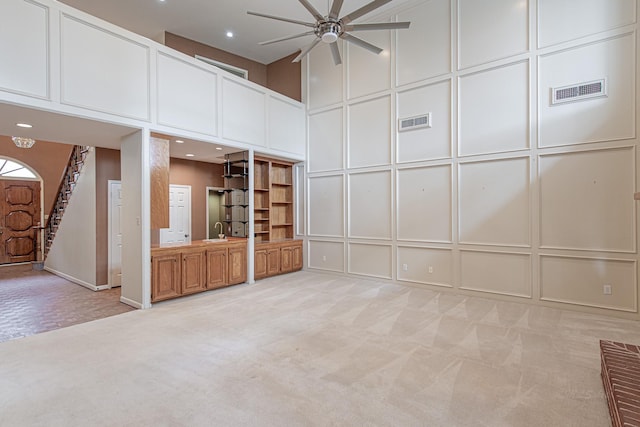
(405, 267)
(430, 269)
(606, 289)
(324, 257)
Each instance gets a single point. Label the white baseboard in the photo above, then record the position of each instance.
(75, 280)
(130, 302)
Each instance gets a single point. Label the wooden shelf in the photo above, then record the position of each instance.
(273, 196)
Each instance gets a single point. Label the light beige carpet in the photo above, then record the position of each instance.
(309, 349)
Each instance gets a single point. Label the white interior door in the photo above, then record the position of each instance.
(179, 230)
(115, 234)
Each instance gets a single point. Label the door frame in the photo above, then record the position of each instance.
(110, 184)
(207, 191)
(186, 187)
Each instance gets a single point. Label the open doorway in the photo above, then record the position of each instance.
(215, 210)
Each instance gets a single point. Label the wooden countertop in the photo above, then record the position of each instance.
(199, 243)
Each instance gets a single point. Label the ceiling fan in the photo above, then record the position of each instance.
(329, 28)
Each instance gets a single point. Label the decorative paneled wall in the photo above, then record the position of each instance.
(506, 192)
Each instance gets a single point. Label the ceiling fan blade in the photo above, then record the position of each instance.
(306, 50)
(335, 52)
(281, 39)
(380, 26)
(335, 9)
(293, 21)
(312, 10)
(361, 43)
(363, 10)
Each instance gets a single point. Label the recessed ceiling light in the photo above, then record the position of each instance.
(179, 141)
(219, 148)
(24, 125)
(229, 34)
(190, 155)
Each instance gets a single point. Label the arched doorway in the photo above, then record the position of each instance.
(20, 211)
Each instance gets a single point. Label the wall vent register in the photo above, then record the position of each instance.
(578, 92)
(416, 122)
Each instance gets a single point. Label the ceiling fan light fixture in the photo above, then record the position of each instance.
(329, 37)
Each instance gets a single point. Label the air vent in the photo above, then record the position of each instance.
(578, 92)
(417, 122)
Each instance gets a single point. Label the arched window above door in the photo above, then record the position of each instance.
(12, 169)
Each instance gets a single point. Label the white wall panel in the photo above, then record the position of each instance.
(24, 39)
(494, 110)
(187, 96)
(502, 273)
(104, 71)
(371, 260)
(495, 202)
(425, 265)
(326, 206)
(491, 29)
(326, 255)
(369, 73)
(581, 281)
(424, 49)
(325, 78)
(370, 133)
(564, 20)
(426, 143)
(286, 126)
(326, 148)
(424, 204)
(586, 200)
(243, 113)
(595, 119)
(370, 205)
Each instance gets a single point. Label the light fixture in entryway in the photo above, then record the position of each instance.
(22, 142)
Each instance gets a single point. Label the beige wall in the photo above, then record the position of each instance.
(48, 159)
(199, 176)
(281, 76)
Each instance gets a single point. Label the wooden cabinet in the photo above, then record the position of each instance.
(187, 269)
(165, 276)
(273, 199)
(272, 258)
(237, 265)
(275, 252)
(216, 268)
(193, 271)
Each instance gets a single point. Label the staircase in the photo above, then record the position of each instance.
(67, 184)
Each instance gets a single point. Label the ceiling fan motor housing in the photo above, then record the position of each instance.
(328, 31)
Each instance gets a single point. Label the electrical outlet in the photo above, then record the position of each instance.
(430, 269)
(606, 289)
(405, 267)
(324, 257)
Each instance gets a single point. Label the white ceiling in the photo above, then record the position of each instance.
(207, 21)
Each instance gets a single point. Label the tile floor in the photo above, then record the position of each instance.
(32, 302)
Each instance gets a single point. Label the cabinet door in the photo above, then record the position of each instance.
(165, 277)
(297, 257)
(216, 268)
(273, 261)
(193, 272)
(286, 261)
(260, 264)
(237, 265)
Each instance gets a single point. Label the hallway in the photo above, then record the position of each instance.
(32, 302)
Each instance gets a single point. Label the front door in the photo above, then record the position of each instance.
(19, 213)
